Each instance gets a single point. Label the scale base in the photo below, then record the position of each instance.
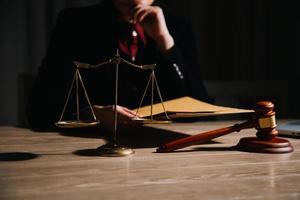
(113, 150)
(274, 145)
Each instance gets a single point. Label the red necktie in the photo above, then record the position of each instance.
(133, 40)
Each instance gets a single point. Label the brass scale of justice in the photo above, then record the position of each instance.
(263, 119)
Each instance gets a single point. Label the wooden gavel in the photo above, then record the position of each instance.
(263, 120)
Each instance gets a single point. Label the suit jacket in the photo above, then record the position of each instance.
(90, 35)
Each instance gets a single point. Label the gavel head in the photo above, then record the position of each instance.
(266, 121)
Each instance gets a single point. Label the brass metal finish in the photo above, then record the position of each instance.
(268, 122)
(154, 84)
(114, 150)
(76, 124)
(150, 121)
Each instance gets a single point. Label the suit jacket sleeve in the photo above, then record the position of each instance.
(48, 94)
(181, 61)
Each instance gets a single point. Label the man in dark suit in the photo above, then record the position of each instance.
(142, 33)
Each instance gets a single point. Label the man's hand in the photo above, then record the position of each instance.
(106, 115)
(153, 21)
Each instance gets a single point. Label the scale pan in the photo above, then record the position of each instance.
(77, 123)
(150, 121)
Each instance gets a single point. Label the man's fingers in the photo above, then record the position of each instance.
(141, 16)
(129, 111)
(141, 11)
(138, 12)
(125, 112)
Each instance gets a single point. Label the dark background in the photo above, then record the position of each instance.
(248, 50)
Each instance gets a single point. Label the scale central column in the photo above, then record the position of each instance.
(113, 148)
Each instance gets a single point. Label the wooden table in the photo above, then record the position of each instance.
(54, 165)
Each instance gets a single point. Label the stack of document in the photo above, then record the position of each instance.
(186, 107)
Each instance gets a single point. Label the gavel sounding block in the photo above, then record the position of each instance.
(266, 140)
(274, 145)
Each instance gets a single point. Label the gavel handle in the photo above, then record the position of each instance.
(203, 137)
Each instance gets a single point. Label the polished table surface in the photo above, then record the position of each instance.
(53, 165)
